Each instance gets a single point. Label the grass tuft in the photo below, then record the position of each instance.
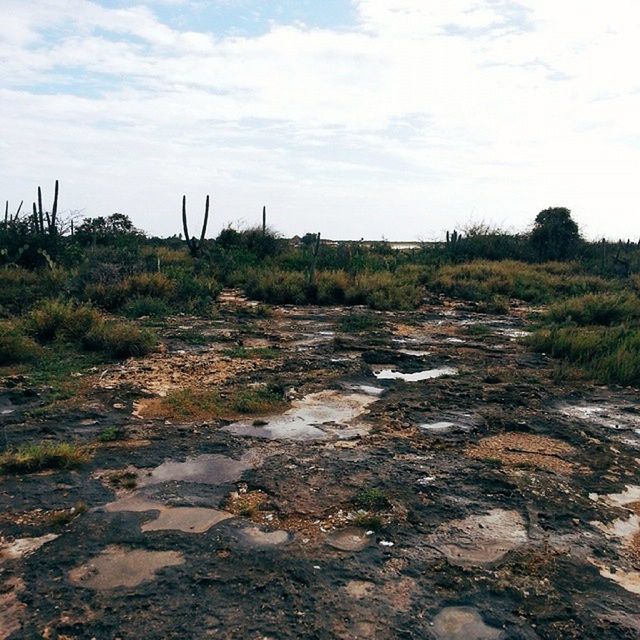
(39, 457)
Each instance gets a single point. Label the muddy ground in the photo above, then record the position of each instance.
(427, 479)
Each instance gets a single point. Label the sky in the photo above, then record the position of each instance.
(393, 119)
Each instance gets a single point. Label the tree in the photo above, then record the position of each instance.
(555, 235)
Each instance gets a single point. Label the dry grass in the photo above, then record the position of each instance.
(208, 404)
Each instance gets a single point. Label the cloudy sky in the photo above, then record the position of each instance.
(374, 118)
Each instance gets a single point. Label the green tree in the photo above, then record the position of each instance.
(555, 235)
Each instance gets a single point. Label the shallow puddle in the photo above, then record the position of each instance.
(463, 623)
(204, 469)
(437, 427)
(429, 374)
(256, 537)
(317, 416)
(604, 415)
(187, 519)
(349, 539)
(118, 567)
(480, 539)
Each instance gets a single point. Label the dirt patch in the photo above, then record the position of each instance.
(523, 449)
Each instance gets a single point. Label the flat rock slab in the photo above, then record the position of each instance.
(349, 539)
(480, 539)
(118, 567)
(463, 623)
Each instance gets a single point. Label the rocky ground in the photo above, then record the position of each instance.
(428, 478)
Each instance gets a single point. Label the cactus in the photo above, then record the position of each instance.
(453, 239)
(39, 214)
(194, 245)
(314, 260)
(264, 220)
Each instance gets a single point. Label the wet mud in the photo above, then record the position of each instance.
(424, 481)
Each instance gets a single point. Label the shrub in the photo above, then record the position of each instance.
(359, 322)
(15, 347)
(21, 288)
(372, 500)
(146, 306)
(38, 457)
(54, 319)
(119, 339)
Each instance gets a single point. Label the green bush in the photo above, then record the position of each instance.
(119, 339)
(146, 306)
(54, 319)
(15, 346)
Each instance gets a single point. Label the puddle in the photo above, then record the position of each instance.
(187, 519)
(414, 352)
(437, 427)
(118, 567)
(204, 469)
(259, 538)
(317, 416)
(603, 415)
(23, 547)
(429, 374)
(370, 390)
(349, 539)
(627, 532)
(480, 539)
(463, 623)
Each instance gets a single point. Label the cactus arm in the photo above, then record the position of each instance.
(206, 219)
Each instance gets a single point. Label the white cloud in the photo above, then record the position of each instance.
(419, 116)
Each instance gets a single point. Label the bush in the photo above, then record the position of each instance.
(21, 288)
(54, 319)
(15, 347)
(146, 306)
(119, 339)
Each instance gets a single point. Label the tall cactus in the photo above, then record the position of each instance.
(39, 214)
(264, 220)
(194, 245)
(314, 260)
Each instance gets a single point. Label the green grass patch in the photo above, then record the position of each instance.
(40, 457)
(608, 354)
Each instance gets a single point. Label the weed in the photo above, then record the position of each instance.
(111, 434)
(372, 500)
(359, 323)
